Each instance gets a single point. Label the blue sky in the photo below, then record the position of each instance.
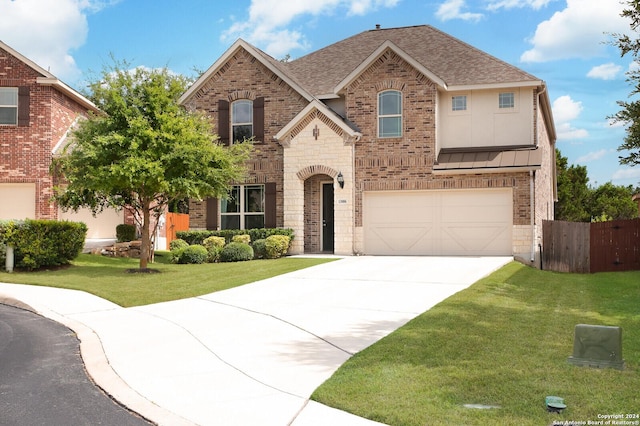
(562, 42)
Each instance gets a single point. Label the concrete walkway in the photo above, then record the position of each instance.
(253, 354)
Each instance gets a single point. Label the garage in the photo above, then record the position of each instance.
(102, 226)
(17, 201)
(441, 223)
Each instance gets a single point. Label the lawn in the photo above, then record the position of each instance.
(502, 342)
(109, 279)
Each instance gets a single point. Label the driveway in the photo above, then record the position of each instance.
(252, 354)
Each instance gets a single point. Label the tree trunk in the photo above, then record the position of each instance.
(146, 240)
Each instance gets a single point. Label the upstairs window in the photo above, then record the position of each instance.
(506, 100)
(242, 120)
(390, 114)
(244, 208)
(9, 105)
(459, 103)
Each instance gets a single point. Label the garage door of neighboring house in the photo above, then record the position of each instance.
(103, 226)
(17, 201)
(445, 223)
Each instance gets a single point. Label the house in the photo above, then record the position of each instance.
(37, 113)
(401, 141)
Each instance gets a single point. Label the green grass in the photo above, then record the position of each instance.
(504, 341)
(107, 277)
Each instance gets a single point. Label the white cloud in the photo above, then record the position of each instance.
(592, 156)
(452, 9)
(510, 4)
(48, 31)
(627, 173)
(566, 110)
(267, 20)
(607, 71)
(578, 31)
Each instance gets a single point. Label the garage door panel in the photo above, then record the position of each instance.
(459, 222)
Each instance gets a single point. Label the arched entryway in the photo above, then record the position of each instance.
(319, 223)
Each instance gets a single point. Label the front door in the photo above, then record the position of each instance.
(327, 217)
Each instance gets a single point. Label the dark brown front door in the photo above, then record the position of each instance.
(327, 217)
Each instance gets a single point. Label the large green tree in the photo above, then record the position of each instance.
(145, 151)
(630, 112)
(573, 191)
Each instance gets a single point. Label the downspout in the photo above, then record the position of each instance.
(533, 210)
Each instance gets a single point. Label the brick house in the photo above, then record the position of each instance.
(37, 112)
(402, 141)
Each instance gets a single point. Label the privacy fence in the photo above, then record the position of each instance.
(591, 247)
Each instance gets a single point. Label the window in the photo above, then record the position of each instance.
(242, 120)
(390, 114)
(9, 105)
(459, 103)
(506, 100)
(244, 208)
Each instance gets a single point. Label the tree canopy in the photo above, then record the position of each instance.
(145, 151)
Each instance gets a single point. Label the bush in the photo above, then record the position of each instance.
(125, 232)
(194, 237)
(197, 237)
(259, 249)
(214, 246)
(276, 246)
(236, 252)
(193, 254)
(178, 244)
(43, 243)
(241, 238)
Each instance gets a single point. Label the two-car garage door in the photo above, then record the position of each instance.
(458, 222)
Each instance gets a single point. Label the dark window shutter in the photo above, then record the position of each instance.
(212, 213)
(270, 205)
(258, 119)
(23, 106)
(223, 121)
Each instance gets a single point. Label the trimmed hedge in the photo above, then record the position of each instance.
(276, 246)
(197, 237)
(259, 249)
(125, 232)
(43, 243)
(193, 254)
(236, 252)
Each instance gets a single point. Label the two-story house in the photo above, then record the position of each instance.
(37, 113)
(402, 141)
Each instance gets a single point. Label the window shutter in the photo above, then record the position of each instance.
(270, 205)
(212, 213)
(23, 106)
(223, 122)
(258, 119)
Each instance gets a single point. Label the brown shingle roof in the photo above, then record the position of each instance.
(452, 60)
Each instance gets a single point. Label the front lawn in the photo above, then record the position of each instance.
(502, 342)
(107, 277)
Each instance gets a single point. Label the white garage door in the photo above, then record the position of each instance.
(103, 226)
(458, 223)
(17, 201)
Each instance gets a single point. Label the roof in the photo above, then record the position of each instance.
(48, 79)
(461, 159)
(453, 61)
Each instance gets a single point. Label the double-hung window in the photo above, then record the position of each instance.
(9, 105)
(390, 114)
(244, 208)
(242, 120)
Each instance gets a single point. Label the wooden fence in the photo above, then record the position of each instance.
(591, 247)
(176, 222)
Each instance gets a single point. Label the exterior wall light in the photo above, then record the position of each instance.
(340, 180)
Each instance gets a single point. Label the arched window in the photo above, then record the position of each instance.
(390, 114)
(242, 120)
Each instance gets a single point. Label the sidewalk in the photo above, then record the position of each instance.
(255, 353)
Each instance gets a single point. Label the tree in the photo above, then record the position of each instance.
(145, 151)
(630, 112)
(613, 202)
(573, 191)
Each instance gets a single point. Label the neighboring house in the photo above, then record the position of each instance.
(37, 113)
(402, 141)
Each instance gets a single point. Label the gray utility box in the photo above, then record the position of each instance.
(597, 346)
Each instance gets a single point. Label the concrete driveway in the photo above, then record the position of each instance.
(252, 354)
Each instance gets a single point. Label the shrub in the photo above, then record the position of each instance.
(125, 232)
(236, 252)
(197, 237)
(259, 249)
(42, 243)
(214, 246)
(178, 244)
(193, 254)
(276, 246)
(241, 238)
(194, 237)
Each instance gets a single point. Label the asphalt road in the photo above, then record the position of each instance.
(43, 380)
